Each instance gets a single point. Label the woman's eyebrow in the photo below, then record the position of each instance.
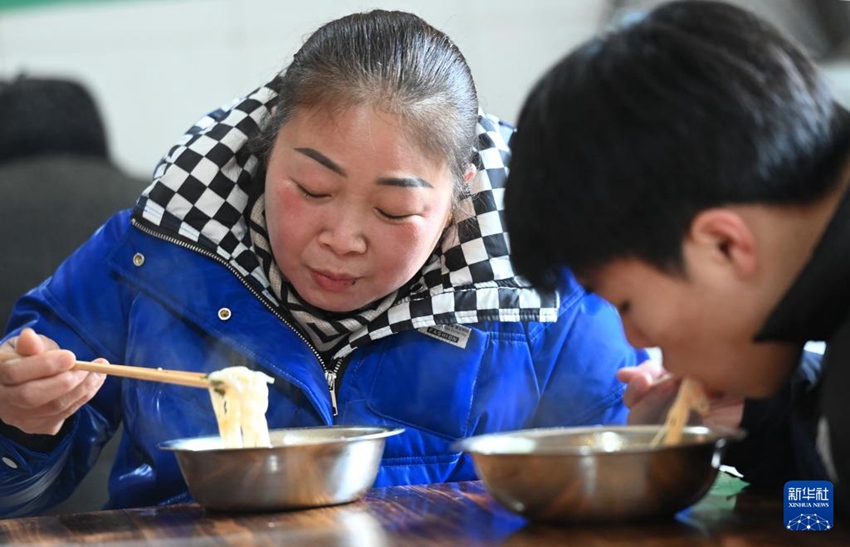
(405, 182)
(323, 159)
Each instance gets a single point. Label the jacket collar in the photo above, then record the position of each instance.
(819, 299)
(201, 192)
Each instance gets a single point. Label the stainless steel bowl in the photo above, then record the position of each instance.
(304, 467)
(597, 473)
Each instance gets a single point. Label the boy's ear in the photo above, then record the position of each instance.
(471, 171)
(722, 236)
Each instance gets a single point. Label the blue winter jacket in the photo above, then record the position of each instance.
(139, 295)
(510, 375)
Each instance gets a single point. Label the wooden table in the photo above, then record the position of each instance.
(455, 514)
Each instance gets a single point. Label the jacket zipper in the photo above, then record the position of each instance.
(334, 376)
(330, 373)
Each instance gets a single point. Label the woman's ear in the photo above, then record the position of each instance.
(723, 237)
(460, 191)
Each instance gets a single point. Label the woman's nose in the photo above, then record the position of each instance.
(343, 235)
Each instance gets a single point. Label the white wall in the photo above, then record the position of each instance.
(156, 66)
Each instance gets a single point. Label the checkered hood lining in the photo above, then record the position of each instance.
(200, 195)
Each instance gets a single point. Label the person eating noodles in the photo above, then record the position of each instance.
(338, 229)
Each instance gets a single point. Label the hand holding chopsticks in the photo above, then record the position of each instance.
(179, 377)
(37, 395)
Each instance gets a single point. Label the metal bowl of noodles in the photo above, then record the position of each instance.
(303, 467)
(586, 474)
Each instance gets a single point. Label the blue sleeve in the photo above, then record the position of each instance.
(32, 480)
(584, 350)
(35, 475)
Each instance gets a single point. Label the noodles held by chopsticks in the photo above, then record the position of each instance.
(240, 399)
(691, 396)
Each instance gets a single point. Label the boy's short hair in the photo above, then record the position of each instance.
(697, 104)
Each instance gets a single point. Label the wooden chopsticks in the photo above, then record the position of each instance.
(689, 397)
(179, 377)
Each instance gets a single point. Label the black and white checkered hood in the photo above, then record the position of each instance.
(200, 195)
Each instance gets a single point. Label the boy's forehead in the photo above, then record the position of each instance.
(615, 273)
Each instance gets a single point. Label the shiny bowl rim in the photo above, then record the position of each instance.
(471, 445)
(375, 432)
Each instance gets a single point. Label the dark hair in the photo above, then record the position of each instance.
(49, 116)
(394, 61)
(698, 104)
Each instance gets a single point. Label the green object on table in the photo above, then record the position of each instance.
(721, 497)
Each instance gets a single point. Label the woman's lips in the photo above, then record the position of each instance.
(332, 282)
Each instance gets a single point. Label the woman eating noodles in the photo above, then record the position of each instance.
(338, 229)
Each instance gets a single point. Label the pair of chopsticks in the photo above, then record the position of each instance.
(690, 396)
(179, 377)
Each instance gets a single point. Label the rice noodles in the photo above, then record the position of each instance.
(240, 398)
(691, 396)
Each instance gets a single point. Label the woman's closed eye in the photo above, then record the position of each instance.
(310, 194)
(391, 216)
